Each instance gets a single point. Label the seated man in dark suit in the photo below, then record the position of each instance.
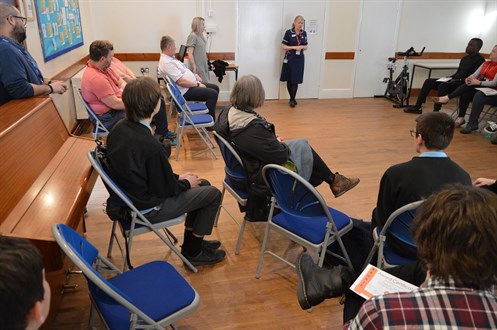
(467, 66)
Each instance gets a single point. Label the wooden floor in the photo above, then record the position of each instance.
(356, 137)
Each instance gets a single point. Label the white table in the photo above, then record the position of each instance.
(430, 66)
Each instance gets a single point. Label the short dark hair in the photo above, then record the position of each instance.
(248, 93)
(479, 42)
(99, 49)
(21, 281)
(165, 41)
(5, 11)
(436, 129)
(455, 232)
(140, 97)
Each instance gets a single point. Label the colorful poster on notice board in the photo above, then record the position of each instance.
(60, 28)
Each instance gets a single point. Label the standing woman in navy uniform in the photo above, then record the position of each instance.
(294, 43)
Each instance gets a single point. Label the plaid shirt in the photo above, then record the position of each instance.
(437, 304)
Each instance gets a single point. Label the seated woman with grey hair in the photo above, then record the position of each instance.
(254, 138)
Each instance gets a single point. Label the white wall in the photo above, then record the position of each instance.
(136, 27)
(64, 103)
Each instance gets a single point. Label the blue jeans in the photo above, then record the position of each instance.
(110, 118)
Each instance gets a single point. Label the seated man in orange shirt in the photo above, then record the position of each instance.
(101, 87)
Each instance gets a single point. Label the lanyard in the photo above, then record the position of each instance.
(488, 67)
(26, 55)
(298, 37)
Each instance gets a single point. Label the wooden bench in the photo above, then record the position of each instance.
(45, 178)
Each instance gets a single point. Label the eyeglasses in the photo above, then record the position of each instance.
(414, 133)
(23, 19)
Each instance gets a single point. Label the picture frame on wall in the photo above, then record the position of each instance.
(59, 25)
(29, 9)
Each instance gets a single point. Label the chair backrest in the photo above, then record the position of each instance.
(110, 184)
(399, 222)
(178, 98)
(233, 163)
(99, 129)
(83, 254)
(293, 194)
(182, 52)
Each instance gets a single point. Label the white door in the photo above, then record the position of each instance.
(377, 42)
(259, 27)
(313, 13)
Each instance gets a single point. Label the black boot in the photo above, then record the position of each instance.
(317, 284)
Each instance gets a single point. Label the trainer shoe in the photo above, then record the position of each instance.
(491, 128)
(169, 135)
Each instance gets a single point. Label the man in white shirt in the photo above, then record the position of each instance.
(191, 85)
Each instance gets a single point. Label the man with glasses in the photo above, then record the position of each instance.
(423, 175)
(20, 76)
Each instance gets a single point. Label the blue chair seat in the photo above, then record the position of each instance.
(201, 119)
(304, 216)
(136, 284)
(314, 228)
(197, 106)
(153, 295)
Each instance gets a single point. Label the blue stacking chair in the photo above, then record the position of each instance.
(139, 223)
(151, 296)
(234, 171)
(398, 225)
(305, 217)
(99, 130)
(195, 107)
(188, 119)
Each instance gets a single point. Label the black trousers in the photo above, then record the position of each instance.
(432, 84)
(320, 171)
(209, 95)
(160, 119)
(479, 101)
(465, 93)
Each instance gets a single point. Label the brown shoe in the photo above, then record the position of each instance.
(342, 184)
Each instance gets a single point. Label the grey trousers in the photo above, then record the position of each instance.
(200, 204)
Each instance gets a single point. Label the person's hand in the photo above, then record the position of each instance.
(472, 81)
(483, 182)
(193, 179)
(59, 87)
(279, 138)
(201, 85)
(199, 79)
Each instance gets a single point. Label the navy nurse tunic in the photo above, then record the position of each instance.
(293, 64)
